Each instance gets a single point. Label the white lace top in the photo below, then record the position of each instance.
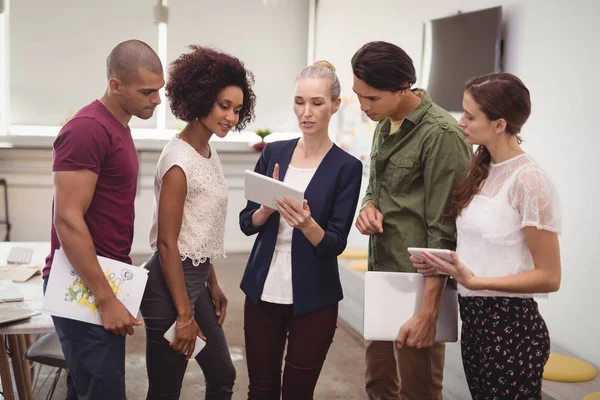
(491, 242)
(203, 224)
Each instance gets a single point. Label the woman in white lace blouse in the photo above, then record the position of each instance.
(508, 220)
(212, 92)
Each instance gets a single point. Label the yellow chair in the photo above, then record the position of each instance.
(359, 265)
(561, 368)
(592, 396)
(354, 254)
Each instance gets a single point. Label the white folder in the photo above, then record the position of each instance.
(392, 298)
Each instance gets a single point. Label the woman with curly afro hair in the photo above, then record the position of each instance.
(212, 92)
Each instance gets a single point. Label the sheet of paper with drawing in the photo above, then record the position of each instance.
(68, 297)
(264, 190)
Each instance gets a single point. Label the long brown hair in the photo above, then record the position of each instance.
(499, 96)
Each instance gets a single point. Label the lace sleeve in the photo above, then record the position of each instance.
(535, 198)
(170, 157)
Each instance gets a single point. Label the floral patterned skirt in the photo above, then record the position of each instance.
(505, 345)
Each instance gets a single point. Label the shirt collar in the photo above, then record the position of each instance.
(418, 113)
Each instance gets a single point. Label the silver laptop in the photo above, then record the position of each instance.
(392, 298)
(9, 291)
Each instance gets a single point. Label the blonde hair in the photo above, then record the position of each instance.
(323, 70)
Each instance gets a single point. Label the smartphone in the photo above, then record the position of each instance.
(170, 336)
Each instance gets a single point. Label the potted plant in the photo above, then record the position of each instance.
(263, 133)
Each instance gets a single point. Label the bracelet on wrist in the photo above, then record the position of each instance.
(184, 325)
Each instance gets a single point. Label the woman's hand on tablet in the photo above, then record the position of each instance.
(428, 264)
(260, 216)
(422, 266)
(295, 215)
(268, 210)
(299, 217)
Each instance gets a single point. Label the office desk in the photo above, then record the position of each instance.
(18, 334)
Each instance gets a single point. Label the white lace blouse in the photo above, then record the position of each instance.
(491, 242)
(203, 224)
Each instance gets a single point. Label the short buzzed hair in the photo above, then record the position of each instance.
(125, 60)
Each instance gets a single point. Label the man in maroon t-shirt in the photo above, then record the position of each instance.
(95, 172)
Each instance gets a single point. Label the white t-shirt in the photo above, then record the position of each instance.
(278, 286)
(205, 209)
(517, 193)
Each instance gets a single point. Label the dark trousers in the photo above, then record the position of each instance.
(266, 328)
(165, 367)
(95, 358)
(505, 345)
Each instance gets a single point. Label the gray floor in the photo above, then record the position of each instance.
(342, 376)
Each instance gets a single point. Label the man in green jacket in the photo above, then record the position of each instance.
(418, 154)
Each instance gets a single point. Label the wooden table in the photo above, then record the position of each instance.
(18, 335)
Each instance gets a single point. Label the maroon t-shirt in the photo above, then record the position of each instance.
(94, 140)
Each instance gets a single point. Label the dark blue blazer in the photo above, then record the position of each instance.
(332, 196)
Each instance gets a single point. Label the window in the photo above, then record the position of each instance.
(271, 40)
(55, 54)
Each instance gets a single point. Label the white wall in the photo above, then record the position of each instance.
(558, 60)
(271, 40)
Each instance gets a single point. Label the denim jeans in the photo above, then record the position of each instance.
(95, 358)
(166, 368)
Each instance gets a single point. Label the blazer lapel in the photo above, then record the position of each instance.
(323, 166)
(283, 158)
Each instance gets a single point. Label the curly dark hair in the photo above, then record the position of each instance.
(196, 78)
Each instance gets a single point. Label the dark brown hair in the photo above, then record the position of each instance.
(197, 78)
(499, 96)
(384, 66)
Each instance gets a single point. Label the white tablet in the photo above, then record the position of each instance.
(441, 253)
(264, 190)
